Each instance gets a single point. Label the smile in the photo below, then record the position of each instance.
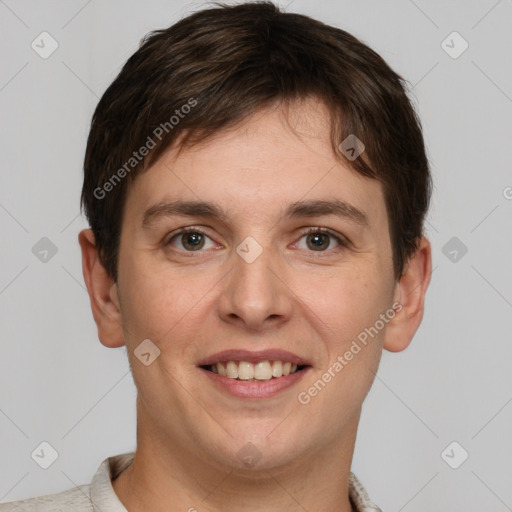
(254, 374)
(260, 371)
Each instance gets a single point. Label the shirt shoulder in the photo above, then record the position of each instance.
(98, 496)
(76, 499)
(359, 497)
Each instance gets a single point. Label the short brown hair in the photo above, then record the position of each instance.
(216, 67)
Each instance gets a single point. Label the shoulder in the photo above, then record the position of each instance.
(76, 499)
(98, 495)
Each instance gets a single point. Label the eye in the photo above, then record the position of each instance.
(320, 240)
(190, 240)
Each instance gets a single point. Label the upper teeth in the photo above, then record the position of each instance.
(244, 370)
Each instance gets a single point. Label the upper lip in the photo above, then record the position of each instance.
(253, 357)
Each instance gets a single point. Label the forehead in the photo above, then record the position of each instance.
(270, 160)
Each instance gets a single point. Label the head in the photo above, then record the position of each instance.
(290, 152)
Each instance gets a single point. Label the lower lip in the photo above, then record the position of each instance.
(255, 389)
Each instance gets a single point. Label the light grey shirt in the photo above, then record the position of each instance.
(99, 495)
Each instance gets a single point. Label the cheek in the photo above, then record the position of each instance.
(350, 305)
(346, 303)
(155, 306)
(164, 305)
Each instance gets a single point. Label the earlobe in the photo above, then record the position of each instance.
(410, 294)
(102, 291)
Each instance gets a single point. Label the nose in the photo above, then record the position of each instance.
(255, 295)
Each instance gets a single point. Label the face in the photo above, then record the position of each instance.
(256, 246)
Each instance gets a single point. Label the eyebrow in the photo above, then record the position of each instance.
(311, 208)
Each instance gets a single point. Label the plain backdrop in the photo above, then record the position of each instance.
(59, 385)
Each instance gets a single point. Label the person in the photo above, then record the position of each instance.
(256, 184)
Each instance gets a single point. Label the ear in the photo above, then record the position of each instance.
(102, 293)
(410, 295)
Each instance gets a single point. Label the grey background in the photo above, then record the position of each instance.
(59, 384)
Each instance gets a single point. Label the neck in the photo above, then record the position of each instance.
(164, 473)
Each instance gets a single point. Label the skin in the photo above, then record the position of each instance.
(196, 303)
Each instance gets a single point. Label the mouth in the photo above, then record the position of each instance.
(249, 374)
(247, 371)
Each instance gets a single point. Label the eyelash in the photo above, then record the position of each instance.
(343, 242)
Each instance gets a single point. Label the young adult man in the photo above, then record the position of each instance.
(256, 185)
